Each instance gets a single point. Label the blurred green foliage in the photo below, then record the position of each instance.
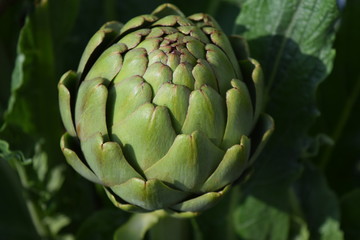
(306, 183)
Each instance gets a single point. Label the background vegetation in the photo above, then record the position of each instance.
(306, 183)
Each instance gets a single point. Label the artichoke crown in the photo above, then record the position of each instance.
(163, 112)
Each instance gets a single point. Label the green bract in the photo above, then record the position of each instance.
(162, 112)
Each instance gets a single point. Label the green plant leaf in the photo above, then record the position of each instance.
(350, 210)
(292, 40)
(273, 210)
(15, 221)
(299, 229)
(339, 103)
(29, 117)
(319, 204)
(32, 129)
(101, 224)
(253, 214)
(218, 222)
(11, 21)
(226, 13)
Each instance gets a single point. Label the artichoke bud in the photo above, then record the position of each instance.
(163, 113)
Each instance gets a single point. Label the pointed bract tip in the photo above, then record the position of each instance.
(166, 10)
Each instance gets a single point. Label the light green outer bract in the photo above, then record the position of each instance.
(163, 113)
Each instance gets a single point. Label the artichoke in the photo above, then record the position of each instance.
(164, 112)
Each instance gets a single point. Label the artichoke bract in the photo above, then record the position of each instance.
(164, 112)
